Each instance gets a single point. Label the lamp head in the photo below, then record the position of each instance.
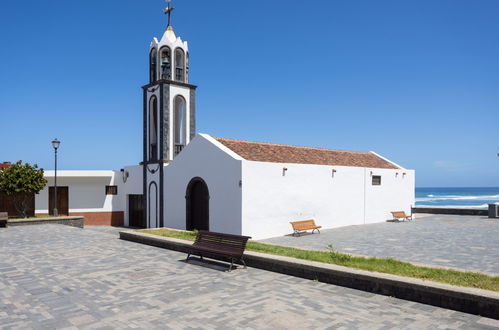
(56, 143)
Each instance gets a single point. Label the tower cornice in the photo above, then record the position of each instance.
(169, 82)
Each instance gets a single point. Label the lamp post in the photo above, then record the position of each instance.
(55, 144)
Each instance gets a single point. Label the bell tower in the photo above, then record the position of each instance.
(169, 115)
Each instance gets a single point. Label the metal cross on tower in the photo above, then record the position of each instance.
(168, 11)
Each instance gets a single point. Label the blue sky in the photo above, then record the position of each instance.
(416, 81)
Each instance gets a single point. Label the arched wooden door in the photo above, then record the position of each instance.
(197, 205)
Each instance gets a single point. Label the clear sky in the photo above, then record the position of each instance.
(415, 81)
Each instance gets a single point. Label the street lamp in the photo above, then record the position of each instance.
(55, 144)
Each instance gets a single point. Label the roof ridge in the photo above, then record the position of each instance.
(290, 145)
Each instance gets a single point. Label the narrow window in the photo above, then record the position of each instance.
(187, 68)
(180, 124)
(179, 65)
(152, 66)
(376, 180)
(166, 63)
(153, 128)
(111, 190)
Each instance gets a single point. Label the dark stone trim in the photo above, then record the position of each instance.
(144, 170)
(144, 196)
(144, 129)
(170, 82)
(161, 130)
(162, 161)
(161, 151)
(161, 197)
(192, 114)
(456, 211)
(165, 122)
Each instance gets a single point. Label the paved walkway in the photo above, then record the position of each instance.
(54, 276)
(464, 242)
(115, 231)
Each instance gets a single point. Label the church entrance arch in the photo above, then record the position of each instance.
(197, 199)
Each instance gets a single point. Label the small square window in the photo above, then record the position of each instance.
(111, 190)
(376, 180)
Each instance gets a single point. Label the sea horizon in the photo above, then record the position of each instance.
(457, 197)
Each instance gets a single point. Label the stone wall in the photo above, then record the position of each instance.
(456, 211)
(75, 221)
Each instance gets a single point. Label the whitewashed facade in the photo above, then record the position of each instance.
(259, 199)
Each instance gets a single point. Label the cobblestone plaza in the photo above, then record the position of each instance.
(54, 277)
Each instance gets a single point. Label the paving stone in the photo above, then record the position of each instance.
(461, 242)
(89, 279)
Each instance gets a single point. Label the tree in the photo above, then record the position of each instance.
(21, 182)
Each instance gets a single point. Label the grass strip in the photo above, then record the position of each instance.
(381, 265)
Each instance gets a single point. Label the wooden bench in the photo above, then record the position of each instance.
(219, 244)
(397, 215)
(4, 216)
(304, 225)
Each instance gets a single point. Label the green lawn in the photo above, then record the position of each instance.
(381, 265)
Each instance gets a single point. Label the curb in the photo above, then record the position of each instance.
(73, 221)
(468, 300)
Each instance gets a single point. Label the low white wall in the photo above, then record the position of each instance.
(221, 172)
(85, 193)
(271, 200)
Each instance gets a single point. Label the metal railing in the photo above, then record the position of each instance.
(179, 74)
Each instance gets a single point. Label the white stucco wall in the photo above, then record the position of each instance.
(221, 171)
(86, 191)
(271, 200)
(396, 193)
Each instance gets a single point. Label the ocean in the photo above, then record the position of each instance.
(478, 198)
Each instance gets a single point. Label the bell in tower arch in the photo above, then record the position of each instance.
(166, 63)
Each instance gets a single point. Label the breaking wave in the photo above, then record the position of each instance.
(481, 206)
(432, 198)
(468, 198)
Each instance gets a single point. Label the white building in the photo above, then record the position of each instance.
(256, 189)
(225, 185)
(92, 194)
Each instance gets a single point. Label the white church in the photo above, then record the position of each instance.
(188, 180)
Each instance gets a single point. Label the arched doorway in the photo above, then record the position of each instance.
(197, 199)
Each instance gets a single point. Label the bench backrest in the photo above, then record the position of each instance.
(221, 241)
(4, 216)
(399, 214)
(303, 224)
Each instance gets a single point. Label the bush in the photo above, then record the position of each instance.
(21, 181)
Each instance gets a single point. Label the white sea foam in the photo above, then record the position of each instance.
(482, 206)
(431, 198)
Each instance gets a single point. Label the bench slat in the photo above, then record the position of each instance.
(226, 245)
(401, 215)
(304, 225)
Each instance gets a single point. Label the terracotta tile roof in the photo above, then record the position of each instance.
(282, 153)
(5, 165)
